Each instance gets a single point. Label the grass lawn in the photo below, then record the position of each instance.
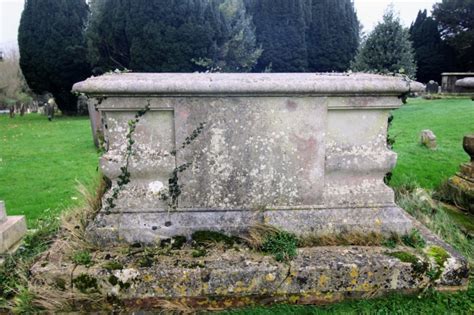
(41, 163)
(450, 120)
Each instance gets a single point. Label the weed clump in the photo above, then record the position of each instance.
(203, 238)
(85, 284)
(414, 239)
(281, 245)
(82, 257)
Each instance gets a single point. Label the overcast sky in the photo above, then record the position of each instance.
(368, 11)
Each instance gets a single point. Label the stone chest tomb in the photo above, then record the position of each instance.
(303, 152)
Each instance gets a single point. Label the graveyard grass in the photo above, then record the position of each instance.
(450, 120)
(41, 163)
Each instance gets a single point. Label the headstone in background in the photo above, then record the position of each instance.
(82, 105)
(428, 139)
(432, 87)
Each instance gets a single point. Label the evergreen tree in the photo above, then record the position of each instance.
(456, 21)
(154, 36)
(52, 48)
(387, 49)
(107, 41)
(432, 55)
(332, 36)
(239, 51)
(281, 29)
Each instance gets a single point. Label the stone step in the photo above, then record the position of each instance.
(3, 213)
(239, 277)
(12, 229)
(11, 232)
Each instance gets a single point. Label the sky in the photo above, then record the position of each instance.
(368, 11)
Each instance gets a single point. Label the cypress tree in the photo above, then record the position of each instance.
(281, 28)
(431, 54)
(239, 52)
(154, 36)
(53, 49)
(387, 49)
(107, 40)
(456, 23)
(333, 35)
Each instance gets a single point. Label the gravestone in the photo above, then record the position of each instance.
(432, 87)
(82, 108)
(12, 229)
(304, 152)
(428, 139)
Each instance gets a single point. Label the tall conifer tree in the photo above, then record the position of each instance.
(433, 57)
(281, 28)
(52, 48)
(332, 36)
(154, 36)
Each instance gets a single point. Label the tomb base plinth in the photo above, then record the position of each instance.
(237, 277)
(12, 229)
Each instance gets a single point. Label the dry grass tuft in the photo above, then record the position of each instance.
(174, 306)
(51, 299)
(74, 222)
(343, 239)
(257, 234)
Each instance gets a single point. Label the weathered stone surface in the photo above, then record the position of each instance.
(292, 146)
(462, 184)
(12, 229)
(428, 139)
(96, 123)
(229, 278)
(3, 213)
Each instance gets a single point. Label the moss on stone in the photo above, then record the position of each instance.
(145, 261)
(208, 237)
(178, 242)
(439, 254)
(404, 257)
(85, 283)
(113, 265)
(113, 280)
(200, 252)
(419, 266)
